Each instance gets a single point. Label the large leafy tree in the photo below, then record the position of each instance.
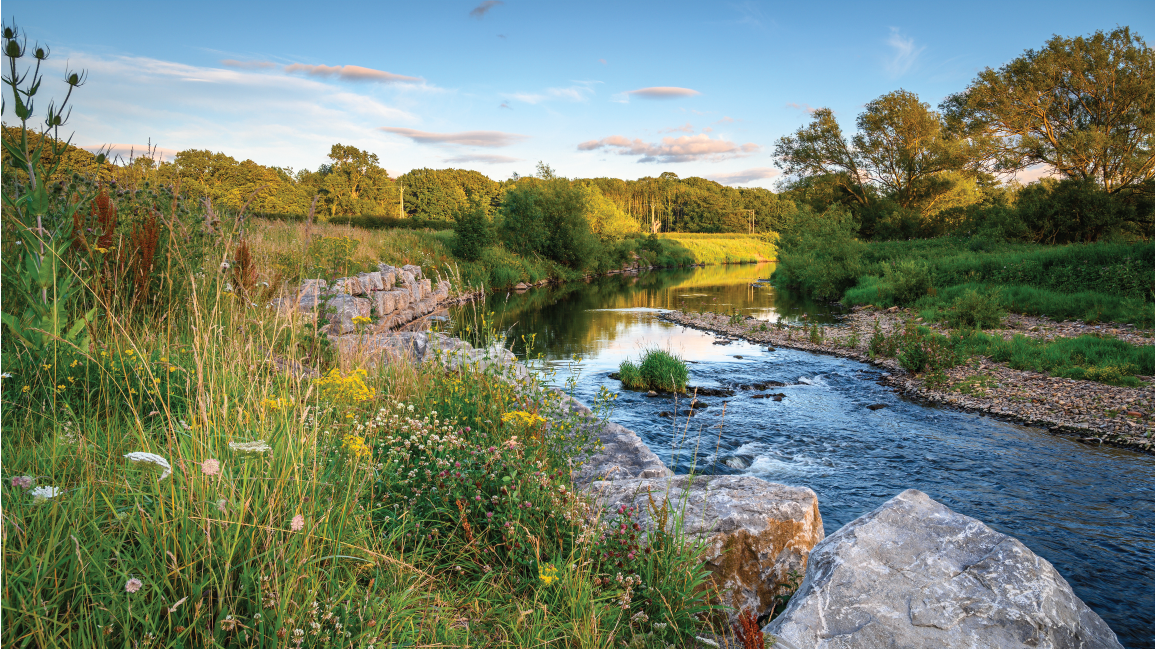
(1084, 106)
(357, 184)
(902, 152)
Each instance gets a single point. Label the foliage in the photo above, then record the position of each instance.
(1081, 105)
(657, 370)
(819, 252)
(548, 219)
(977, 309)
(472, 234)
(1075, 209)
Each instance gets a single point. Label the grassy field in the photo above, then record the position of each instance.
(725, 248)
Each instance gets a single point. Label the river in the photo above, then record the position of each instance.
(1087, 510)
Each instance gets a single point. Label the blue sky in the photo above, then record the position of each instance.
(622, 89)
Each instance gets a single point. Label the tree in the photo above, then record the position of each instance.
(902, 152)
(356, 183)
(1081, 105)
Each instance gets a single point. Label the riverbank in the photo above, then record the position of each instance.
(1092, 412)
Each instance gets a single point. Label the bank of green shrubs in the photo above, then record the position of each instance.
(656, 370)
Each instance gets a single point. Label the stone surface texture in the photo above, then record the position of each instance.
(756, 533)
(914, 574)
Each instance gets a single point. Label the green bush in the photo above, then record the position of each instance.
(982, 310)
(908, 280)
(819, 252)
(472, 233)
(658, 370)
(549, 219)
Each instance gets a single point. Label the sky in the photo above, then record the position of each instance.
(619, 89)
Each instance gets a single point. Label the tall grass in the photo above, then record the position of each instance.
(283, 522)
(657, 370)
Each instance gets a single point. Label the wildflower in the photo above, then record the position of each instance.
(6, 375)
(297, 524)
(45, 492)
(640, 617)
(211, 467)
(548, 574)
(152, 459)
(22, 481)
(255, 447)
(133, 586)
(229, 624)
(658, 626)
(221, 506)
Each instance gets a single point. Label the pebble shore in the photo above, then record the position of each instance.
(1094, 413)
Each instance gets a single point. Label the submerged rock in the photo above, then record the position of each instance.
(914, 574)
(876, 407)
(756, 532)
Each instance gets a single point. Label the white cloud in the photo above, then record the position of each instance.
(350, 73)
(745, 176)
(489, 159)
(662, 92)
(685, 148)
(904, 53)
(126, 152)
(580, 91)
(468, 138)
(245, 112)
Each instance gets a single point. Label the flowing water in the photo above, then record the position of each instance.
(1088, 510)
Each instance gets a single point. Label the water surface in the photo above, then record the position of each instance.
(1087, 510)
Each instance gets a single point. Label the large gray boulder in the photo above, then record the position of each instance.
(343, 308)
(914, 574)
(757, 533)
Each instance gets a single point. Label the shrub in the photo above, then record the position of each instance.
(472, 233)
(820, 252)
(909, 280)
(981, 310)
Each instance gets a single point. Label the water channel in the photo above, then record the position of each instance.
(1087, 510)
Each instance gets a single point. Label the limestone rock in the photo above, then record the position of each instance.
(413, 270)
(401, 299)
(426, 288)
(371, 281)
(622, 455)
(756, 532)
(913, 573)
(342, 309)
(443, 291)
(386, 303)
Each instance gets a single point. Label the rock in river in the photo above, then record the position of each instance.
(756, 532)
(914, 574)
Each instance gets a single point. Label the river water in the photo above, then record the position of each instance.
(1087, 510)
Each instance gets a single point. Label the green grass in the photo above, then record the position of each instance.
(725, 248)
(333, 534)
(1087, 282)
(657, 370)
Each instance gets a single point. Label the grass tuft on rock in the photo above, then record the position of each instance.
(657, 370)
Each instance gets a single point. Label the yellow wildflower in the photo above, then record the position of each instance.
(547, 574)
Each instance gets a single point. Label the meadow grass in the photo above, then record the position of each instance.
(169, 484)
(709, 248)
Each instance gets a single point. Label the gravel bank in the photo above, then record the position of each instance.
(1089, 411)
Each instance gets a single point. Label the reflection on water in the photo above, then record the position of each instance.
(1088, 511)
(587, 318)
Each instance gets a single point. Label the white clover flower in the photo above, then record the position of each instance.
(255, 447)
(152, 459)
(45, 492)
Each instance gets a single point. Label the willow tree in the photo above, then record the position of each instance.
(1083, 106)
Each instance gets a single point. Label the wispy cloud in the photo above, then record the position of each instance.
(490, 159)
(248, 65)
(506, 105)
(469, 138)
(726, 120)
(745, 176)
(602, 61)
(904, 53)
(662, 92)
(685, 128)
(480, 11)
(350, 73)
(579, 92)
(685, 148)
(807, 108)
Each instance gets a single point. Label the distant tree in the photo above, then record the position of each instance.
(901, 151)
(549, 218)
(356, 183)
(472, 232)
(1081, 105)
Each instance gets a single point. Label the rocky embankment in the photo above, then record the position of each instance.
(1090, 411)
(379, 301)
(911, 573)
